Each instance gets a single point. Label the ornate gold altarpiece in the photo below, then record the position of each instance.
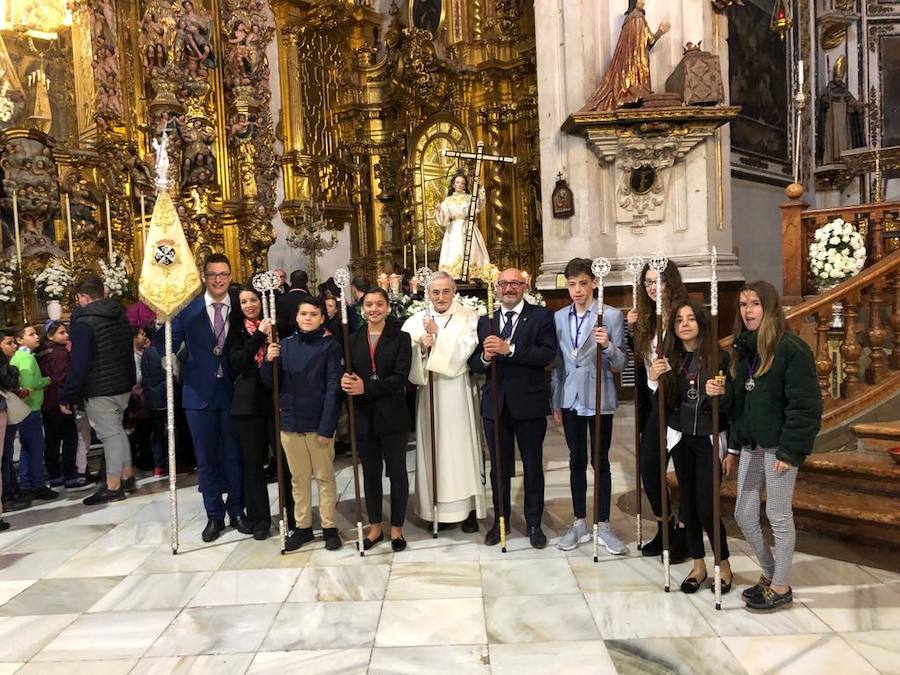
(371, 101)
(367, 104)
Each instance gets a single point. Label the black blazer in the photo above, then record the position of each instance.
(286, 306)
(381, 409)
(251, 396)
(521, 378)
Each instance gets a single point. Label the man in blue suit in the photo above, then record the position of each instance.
(523, 344)
(201, 329)
(573, 384)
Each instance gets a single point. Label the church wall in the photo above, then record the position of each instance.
(757, 229)
(573, 53)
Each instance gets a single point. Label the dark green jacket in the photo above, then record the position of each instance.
(784, 410)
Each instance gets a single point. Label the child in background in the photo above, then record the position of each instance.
(31, 435)
(60, 434)
(9, 382)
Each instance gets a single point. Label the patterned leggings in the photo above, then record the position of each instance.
(757, 472)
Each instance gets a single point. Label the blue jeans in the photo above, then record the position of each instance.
(31, 456)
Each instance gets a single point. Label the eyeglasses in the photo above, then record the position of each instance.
(510, 284)
(217, 275)
(652, 284)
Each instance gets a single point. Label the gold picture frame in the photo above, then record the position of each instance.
(422, 15)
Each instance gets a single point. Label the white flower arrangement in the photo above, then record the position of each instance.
(477, 305)
(838, 253)
(115, 276)
(8, 281)
(54, 280)
(7, 107)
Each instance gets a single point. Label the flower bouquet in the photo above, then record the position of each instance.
(8, 281)
(115, 276)
(837, 253)
(53, 282)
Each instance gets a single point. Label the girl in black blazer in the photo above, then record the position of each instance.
(251, 406)
(380, 358)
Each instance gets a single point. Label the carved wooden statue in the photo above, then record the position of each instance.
(840, 123)
(627, 80)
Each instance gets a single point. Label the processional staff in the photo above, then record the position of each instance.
(716, 467)
(658, 264)
(600, 267)
(425, 277)
(490, 274)
(342, 279)
(634, 265)
(267, 284)
(169, 280)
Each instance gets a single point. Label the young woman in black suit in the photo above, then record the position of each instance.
(380, 356)
(251, 406)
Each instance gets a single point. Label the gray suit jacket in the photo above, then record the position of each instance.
(574, 378)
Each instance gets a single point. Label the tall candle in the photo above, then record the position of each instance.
(404, 257)
(69, 230)
(109, 238)
(15, 203)
(800, 73)
(143, 222)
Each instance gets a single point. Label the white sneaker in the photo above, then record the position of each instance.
(613, 544)
(577, 534)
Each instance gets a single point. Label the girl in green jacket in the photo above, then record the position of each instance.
(774, 405)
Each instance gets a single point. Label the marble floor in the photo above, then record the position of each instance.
(99, 589)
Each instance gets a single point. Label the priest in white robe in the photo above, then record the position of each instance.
(444, 336)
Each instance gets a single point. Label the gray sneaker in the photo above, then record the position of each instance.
(613, 544)
(577, 534)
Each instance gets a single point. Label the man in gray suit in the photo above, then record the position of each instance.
(574, 395)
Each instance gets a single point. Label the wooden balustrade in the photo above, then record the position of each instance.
(798, 227)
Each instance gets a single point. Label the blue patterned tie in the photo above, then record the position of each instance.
(506, 333)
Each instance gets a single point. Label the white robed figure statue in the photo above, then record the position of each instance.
(452, 214)
(442, 345)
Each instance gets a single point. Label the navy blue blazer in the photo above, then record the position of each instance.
(192, 330)
(521, 378)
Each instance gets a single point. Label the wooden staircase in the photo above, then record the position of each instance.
(876, 435)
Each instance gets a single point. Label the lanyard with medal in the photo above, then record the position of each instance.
(217, 350)
(578, 324)
(372, 348)
(750, 384)
(692, 393)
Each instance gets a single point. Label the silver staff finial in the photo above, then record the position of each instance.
(600, 267)
(634, 265)
(425, 276)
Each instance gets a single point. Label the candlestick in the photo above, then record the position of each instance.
(143, 222)
(69, 230)
(109, 230)
(15, 205)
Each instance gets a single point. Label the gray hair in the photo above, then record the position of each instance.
(441, 274)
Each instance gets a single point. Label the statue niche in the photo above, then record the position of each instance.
(840, 118)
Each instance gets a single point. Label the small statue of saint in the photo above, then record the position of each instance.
(452, 215)
(840, 119)
(627, 80)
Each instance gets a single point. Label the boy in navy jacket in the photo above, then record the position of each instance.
(310, 372)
